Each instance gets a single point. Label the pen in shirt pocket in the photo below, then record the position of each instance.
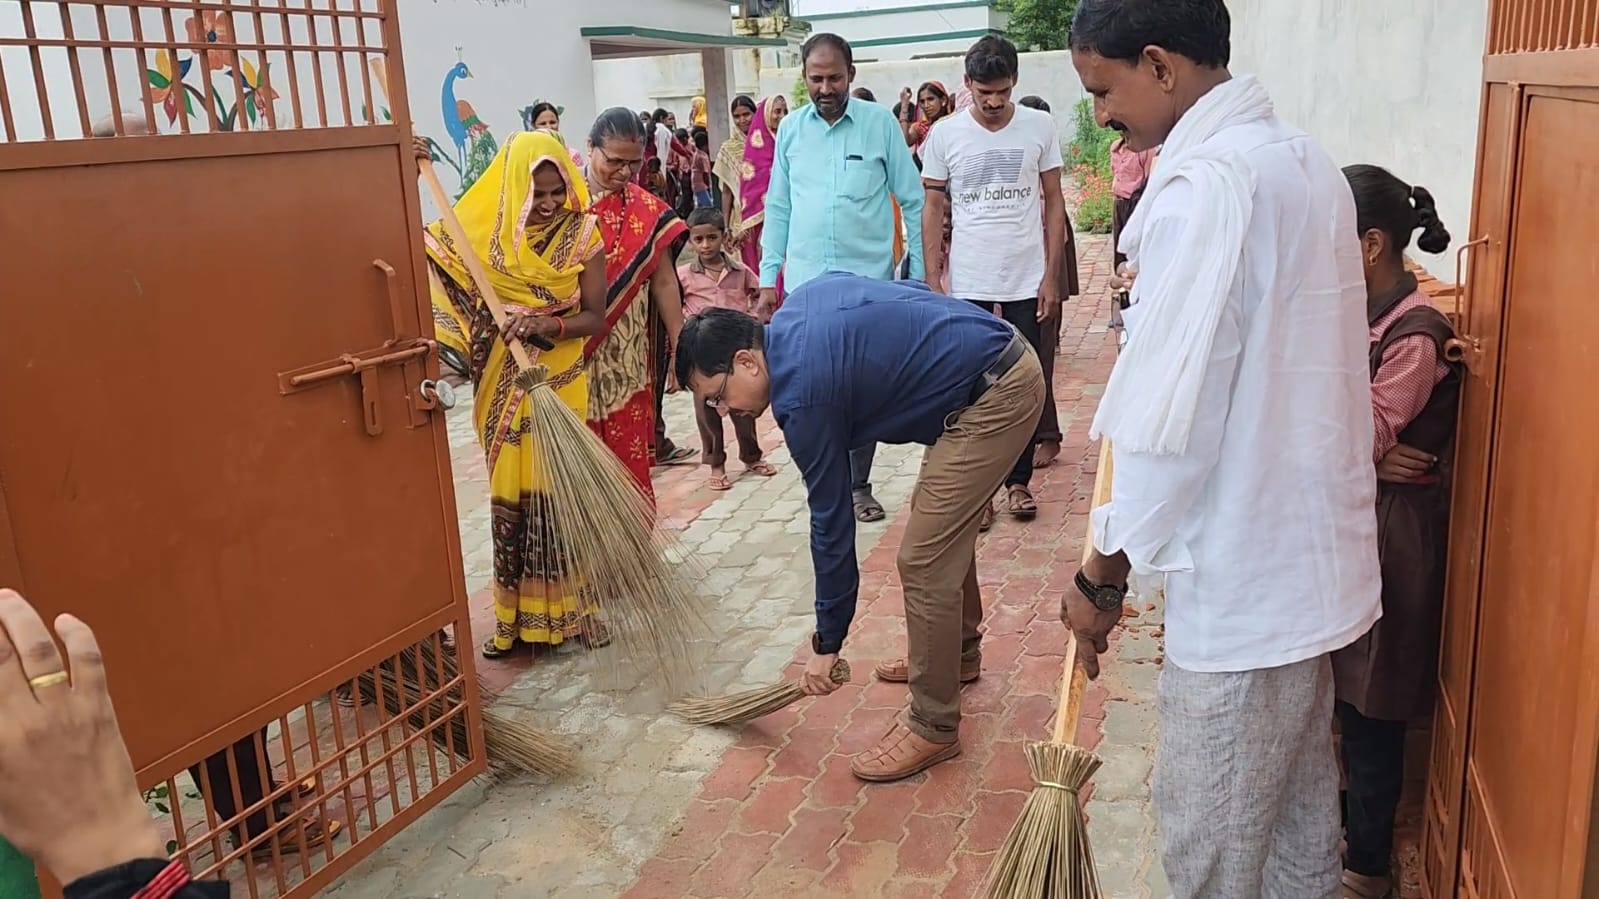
(854, 157)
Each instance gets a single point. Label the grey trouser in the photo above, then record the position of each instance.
(1246, 788)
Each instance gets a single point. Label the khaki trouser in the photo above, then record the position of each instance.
(938, 557)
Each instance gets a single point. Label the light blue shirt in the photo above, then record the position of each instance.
(827, 207)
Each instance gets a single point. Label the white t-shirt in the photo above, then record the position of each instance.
(997, 252)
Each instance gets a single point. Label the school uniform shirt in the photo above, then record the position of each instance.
(1263, 527)
(857, 361)
(827, 204)
(730, 288)
(996, 252)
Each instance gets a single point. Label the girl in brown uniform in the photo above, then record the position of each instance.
(1387, 677)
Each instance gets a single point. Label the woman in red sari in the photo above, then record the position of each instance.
(639, 231)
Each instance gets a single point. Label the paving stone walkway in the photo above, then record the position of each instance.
(666, 810)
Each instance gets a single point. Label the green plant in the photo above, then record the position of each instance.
(1096, 204)
(1090, 165)
(798, 95)
(1038, 24)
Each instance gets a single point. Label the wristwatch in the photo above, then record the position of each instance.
(1105, 597)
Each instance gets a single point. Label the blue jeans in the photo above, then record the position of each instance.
(702, 199)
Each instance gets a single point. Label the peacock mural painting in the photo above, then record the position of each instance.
(472, 143)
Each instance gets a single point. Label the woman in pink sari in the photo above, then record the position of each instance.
(755, 176)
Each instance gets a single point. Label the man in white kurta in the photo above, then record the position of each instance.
(1240, 421)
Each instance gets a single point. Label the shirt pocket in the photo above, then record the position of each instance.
(863, 179)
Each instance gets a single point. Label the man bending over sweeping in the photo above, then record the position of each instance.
(851, 361)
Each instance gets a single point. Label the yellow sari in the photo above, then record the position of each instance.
(532, 267)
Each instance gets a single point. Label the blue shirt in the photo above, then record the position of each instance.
(854, 361)
(827, 206)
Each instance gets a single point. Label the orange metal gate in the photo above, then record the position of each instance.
(216, 442)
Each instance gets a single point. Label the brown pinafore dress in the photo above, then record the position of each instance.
(1391, 672)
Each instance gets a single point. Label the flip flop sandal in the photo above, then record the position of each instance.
(1021, 504)
(985, 523)
(680, 455)
(490, 651)
(719, 483)
(1360, 886)
(869, 510)
(309, 835)
(764, 469)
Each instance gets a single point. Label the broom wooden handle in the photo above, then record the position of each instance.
(1074, 680)
(474, 267)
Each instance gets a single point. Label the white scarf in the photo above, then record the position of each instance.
(1149, 402)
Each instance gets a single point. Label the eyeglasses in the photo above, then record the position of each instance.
(630, 164)
(715, 401)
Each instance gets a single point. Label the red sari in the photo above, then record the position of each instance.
(639, 229)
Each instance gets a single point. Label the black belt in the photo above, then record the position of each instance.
(1008, 357)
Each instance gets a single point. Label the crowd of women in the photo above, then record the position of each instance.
(582, 252)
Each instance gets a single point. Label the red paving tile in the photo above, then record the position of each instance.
(782, 808)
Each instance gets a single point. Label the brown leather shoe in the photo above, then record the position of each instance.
(898, 671)
(900, 754)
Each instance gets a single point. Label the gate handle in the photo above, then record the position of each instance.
(396, 304)
(1457, 349)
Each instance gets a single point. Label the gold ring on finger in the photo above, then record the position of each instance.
(47, 680)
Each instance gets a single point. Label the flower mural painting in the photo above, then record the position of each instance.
(166, 86)
(170, 87)
(212, 28)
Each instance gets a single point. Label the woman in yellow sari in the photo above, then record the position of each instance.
(527, 222)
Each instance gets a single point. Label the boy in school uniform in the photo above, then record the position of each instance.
(716, 280)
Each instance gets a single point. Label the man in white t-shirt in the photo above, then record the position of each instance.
(996, 166)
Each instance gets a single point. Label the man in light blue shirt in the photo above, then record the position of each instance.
(827, 207)
(838, 161)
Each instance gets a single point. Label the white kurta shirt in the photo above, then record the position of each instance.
(1265, 527)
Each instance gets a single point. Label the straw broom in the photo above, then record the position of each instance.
(738, 708)
(1047, 855)
(603, 525)
(510, 746)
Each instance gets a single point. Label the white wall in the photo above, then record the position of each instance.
(881, 35)
(520, 51)
(1048, 74)
(1392, 84)
(669, 82)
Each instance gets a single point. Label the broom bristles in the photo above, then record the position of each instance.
(511, 747)
(1046, 855)
(632, 573)
(738, 708)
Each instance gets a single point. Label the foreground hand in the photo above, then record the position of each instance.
(1124, 278)
(1404, 463)
(1089, 627)
(1048, 299)
(767, 303)
(521, 327)
(818, 677)
(420, 146)
(68, 797)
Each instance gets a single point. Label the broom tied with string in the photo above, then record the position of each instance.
(601, 524)
(738, 708)
(1047, 854)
